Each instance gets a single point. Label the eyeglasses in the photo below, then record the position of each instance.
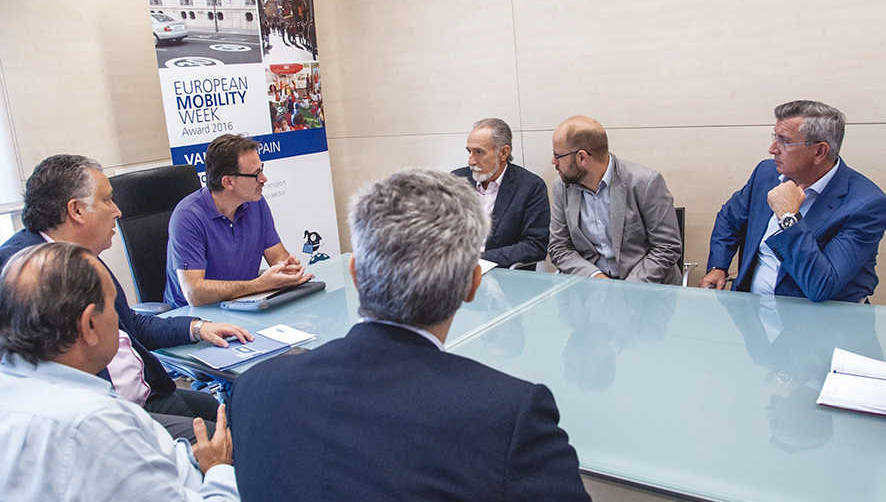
(254, 175)
(560, 156)
(783, 142)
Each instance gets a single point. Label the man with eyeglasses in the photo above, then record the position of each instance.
(610, 218)
(219, 234)
(805, 224)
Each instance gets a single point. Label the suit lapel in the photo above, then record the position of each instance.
(573, 208)
(506, 190)
(818, 215)
(617, 200)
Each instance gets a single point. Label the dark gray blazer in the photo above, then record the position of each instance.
(645, 235)
(520, 218)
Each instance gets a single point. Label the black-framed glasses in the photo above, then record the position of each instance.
(254, 175)
(560, 156)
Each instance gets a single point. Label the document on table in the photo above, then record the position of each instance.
(855, 382)
(287, 334)
(486, 265)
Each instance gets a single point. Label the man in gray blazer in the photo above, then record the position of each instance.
(610, 218)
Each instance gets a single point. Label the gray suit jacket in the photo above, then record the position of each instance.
(644, 230)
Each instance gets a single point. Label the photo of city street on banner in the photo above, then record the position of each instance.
(288, 32)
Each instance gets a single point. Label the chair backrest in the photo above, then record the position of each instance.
(146, 199)
(681, 222)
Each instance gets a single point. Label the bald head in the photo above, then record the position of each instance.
(583, 133)
(44, 292)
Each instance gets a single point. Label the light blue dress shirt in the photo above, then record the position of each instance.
(766, 273)
(67, 436)
(594, 221)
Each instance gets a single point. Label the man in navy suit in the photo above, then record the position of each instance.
(805, 224)
(69, 199)
(515, 198)
(386, 413)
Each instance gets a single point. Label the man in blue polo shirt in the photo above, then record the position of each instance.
(219, 234)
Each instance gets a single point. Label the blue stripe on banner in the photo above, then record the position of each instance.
(273, 146)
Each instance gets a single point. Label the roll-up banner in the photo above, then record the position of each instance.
(250, 67)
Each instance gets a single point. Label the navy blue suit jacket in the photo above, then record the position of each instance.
(382, 414)
(146, 332)
(521, 217)
(829, 255)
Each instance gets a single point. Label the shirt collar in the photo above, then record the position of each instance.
(423, 332)
(822, 183)
(607, 176)
(14, 364)
(46, 237)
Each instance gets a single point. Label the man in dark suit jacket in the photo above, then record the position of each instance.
(386, 413)
(805, 224)
(516, 198)
(69, 199)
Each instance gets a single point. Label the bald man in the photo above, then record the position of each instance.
(610, 218)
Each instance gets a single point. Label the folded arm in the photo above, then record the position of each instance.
(656, 206)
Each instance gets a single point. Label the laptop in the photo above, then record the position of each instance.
(268, 299)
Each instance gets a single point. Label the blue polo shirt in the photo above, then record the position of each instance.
(201, 238)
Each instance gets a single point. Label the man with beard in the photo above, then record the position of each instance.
(515, 198)
(611, 218)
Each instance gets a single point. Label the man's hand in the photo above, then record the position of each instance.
(715, 279)
(217, 451)
(283, 274)
(216, 332)
(600, 275)
(785, 198)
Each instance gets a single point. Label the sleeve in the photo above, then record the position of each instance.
(533, 242)
(151, 331)
(121, 457)
(269, 232)
(541, 464)
(187, 241)
(563, 253)
(824, 272)
(730, 226)
(656, 206)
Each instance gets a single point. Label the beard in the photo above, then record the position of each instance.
(480, 177)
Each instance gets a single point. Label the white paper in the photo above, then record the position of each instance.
(855, 393)
(850, 363)
(486, 265)
(287, 334)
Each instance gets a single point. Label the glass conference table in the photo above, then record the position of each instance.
(696, 393)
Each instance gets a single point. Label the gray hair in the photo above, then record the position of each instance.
(55, 181)
(501, 133)
(44, 289)
(416, 237)
(821, 122)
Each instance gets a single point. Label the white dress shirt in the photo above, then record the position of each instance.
(67, 436)
(766, 273)
(594, 221)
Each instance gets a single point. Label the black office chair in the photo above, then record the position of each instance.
(146, 199)
(685, 267)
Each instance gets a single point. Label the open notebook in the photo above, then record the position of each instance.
(855, 382)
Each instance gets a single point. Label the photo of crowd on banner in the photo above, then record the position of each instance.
(294, 97)
(287, 30)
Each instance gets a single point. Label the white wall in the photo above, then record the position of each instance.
(685, 86)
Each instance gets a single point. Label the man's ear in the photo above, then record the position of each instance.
(87, 326)
(76, 209)
(505, 152)
(821, 151)
(476, 278)
(352, 268)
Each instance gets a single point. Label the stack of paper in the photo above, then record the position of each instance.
(855, 382)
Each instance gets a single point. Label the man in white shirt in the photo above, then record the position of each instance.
(67, 435)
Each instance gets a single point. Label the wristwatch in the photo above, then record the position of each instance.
(788, 220)
(195, 329)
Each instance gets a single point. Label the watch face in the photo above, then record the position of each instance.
(787, 221)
